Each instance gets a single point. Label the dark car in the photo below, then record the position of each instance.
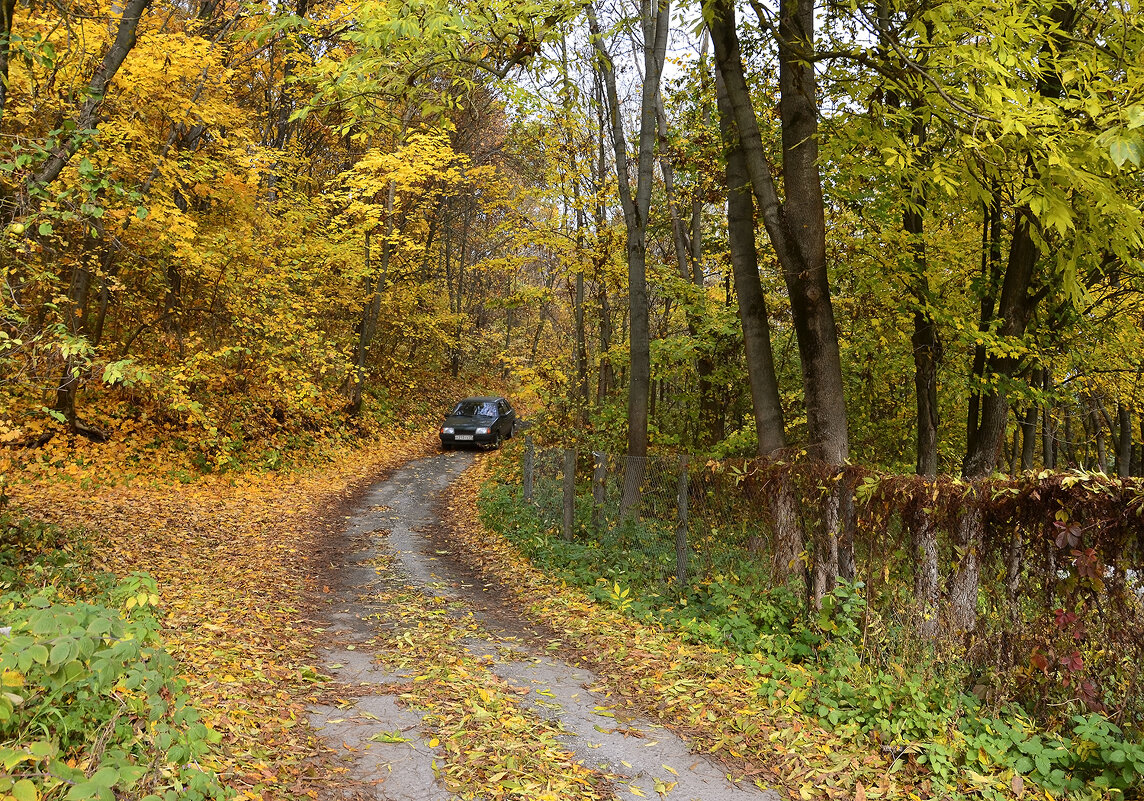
(478, 421)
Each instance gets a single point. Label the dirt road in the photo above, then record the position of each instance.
(392, 751)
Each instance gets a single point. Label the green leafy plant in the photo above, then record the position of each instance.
(91, 706)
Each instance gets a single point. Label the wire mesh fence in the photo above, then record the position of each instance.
(1004, 571)
(660, 522)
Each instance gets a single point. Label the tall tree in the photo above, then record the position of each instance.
(796, 227)
(655, 21)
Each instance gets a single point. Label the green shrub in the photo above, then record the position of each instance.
(91, 706)
(839, 661)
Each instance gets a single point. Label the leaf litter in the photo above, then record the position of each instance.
(238, 559)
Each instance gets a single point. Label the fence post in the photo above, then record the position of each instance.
(529, 456)
(681, 528)
(599, 475)
(569, 491)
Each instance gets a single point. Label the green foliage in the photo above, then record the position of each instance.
(859, 676)
(37, 556)
(91, 706)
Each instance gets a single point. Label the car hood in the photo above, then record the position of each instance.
(468, 420)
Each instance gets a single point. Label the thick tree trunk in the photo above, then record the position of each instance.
(797, 232)
(748, 288)
(1124, 440)
(923, 543)
(967, 569)
(804, 214)
(753, 316)
(796, 229)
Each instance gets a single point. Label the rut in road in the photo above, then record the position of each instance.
(390, 750)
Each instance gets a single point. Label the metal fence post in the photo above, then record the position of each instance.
(569, 491)
(681, 527)
(529, 457)
(599, 475)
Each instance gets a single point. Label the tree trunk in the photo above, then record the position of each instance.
(804, 214)
(1015, 450)
(655, 21)
(1014, 309)
(71, 377)
(1141, 463)
(748, 288)
(1029, 437)
(1048, 444)
(991, 276)
(967, 569)
(1101, 447)
(797, 232)
(1017, 300)
(580, 345)
(923, 543)
(1069, 445)
(88, 115)
(1124, 440)
(754, 318)
(927, 353)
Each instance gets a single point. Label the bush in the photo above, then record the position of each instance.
(91, 706)
(860, 676)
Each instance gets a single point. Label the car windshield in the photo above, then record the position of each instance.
(476, 409)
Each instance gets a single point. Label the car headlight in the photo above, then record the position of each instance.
(483, 430)
(446, 429)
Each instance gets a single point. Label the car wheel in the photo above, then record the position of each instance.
(497, 442)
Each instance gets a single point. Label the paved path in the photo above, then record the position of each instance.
(388, 529)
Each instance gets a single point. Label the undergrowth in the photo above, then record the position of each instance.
(153, 436)
(866, 679)
(91, 705)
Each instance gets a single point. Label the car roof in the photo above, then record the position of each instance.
(482, 399)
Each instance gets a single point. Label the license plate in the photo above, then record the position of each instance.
(464, 437)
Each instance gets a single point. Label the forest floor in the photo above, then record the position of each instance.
(441, 685)
(232, 554)
(348, 595)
